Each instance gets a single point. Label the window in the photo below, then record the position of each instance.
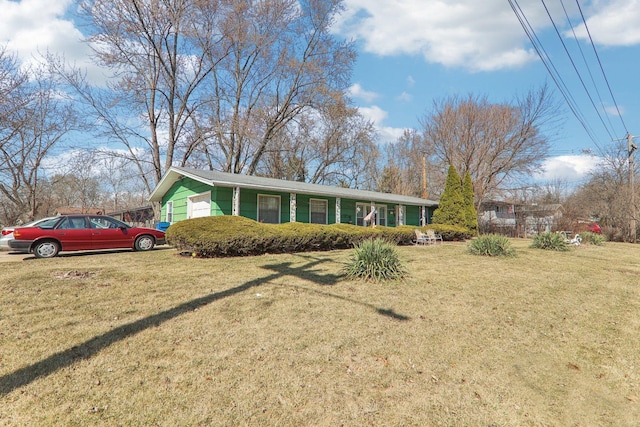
(381, 215)
(169, 216)
(318, 211)
(72, 222)
(363, 210)
(106, 222)
(269, 209)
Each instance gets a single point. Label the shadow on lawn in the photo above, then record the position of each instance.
(89, 348)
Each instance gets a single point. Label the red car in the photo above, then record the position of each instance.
(594, 227)
(82, 232)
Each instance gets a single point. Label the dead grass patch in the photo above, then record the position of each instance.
(159, 339)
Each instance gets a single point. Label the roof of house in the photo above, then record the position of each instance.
(223, 179)
(73, 210)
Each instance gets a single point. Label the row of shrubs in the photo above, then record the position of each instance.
(220, 236)
(498, 245)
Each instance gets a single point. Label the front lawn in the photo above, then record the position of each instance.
(131, 338)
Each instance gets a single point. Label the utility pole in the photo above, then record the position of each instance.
(632, 204)
(424, 177)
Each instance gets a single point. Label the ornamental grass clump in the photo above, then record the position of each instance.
(491, 245)
(550, 242)
(593, 238)
(375, 260)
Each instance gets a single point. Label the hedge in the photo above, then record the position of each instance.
(220, 236)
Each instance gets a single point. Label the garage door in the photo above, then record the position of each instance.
(199, 205)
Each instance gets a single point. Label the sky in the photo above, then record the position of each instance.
(412, 53)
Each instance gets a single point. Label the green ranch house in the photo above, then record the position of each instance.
(190, 193)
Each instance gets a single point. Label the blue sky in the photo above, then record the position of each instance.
(415, 52)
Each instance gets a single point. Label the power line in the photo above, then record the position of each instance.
(601, 67)
(551, 69)
(575, 68)
(557, 78)
(586, 64)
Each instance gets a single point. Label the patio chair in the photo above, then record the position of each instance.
(434, 237)
(577, 240)
(421, 238)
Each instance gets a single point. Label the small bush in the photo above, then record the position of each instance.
(491, 245)
(592, 238)
(450, 233)
(375, 260)
(550, 242)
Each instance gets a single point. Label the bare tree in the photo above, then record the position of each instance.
(415, 166)
(155, 51)
(40, 118)
(605, 197)
(13, 82)
(209, 82)
(282, 64)
(495, 143)
(333, 145)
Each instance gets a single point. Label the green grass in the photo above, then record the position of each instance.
(130, 338)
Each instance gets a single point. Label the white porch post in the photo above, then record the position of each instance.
(400, 215)
(374, 217)
(338, 210)
(292, 207)
(235, 210)
(424, 215)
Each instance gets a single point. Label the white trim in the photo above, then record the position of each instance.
(168, 214)
(292, 207)
(235, 210)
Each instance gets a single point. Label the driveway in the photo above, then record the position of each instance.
(6, 256)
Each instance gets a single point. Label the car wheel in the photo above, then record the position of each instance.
(144, 243)
(46, 249)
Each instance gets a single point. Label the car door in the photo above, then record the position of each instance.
(108, 233)
(74, 233)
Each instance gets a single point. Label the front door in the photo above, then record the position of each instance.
(74, 233)
(108, 233)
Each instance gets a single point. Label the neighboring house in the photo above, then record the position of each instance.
(498, 217)
(542, 218)
(189, 193)
(138, 217)
(71, 210)
(518, 219)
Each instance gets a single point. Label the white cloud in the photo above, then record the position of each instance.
(358, 92)
(31, 28)
(479, 36)
(405, 96)
(463, 33)
(377, 115)
(614, 23)
(389, 134)
(374, 113)
(571, 169)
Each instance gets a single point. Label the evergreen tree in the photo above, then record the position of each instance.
(451, 209)
(470, 213)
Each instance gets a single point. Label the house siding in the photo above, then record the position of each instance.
(412, 215)
(303, 211)
(222, 204)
